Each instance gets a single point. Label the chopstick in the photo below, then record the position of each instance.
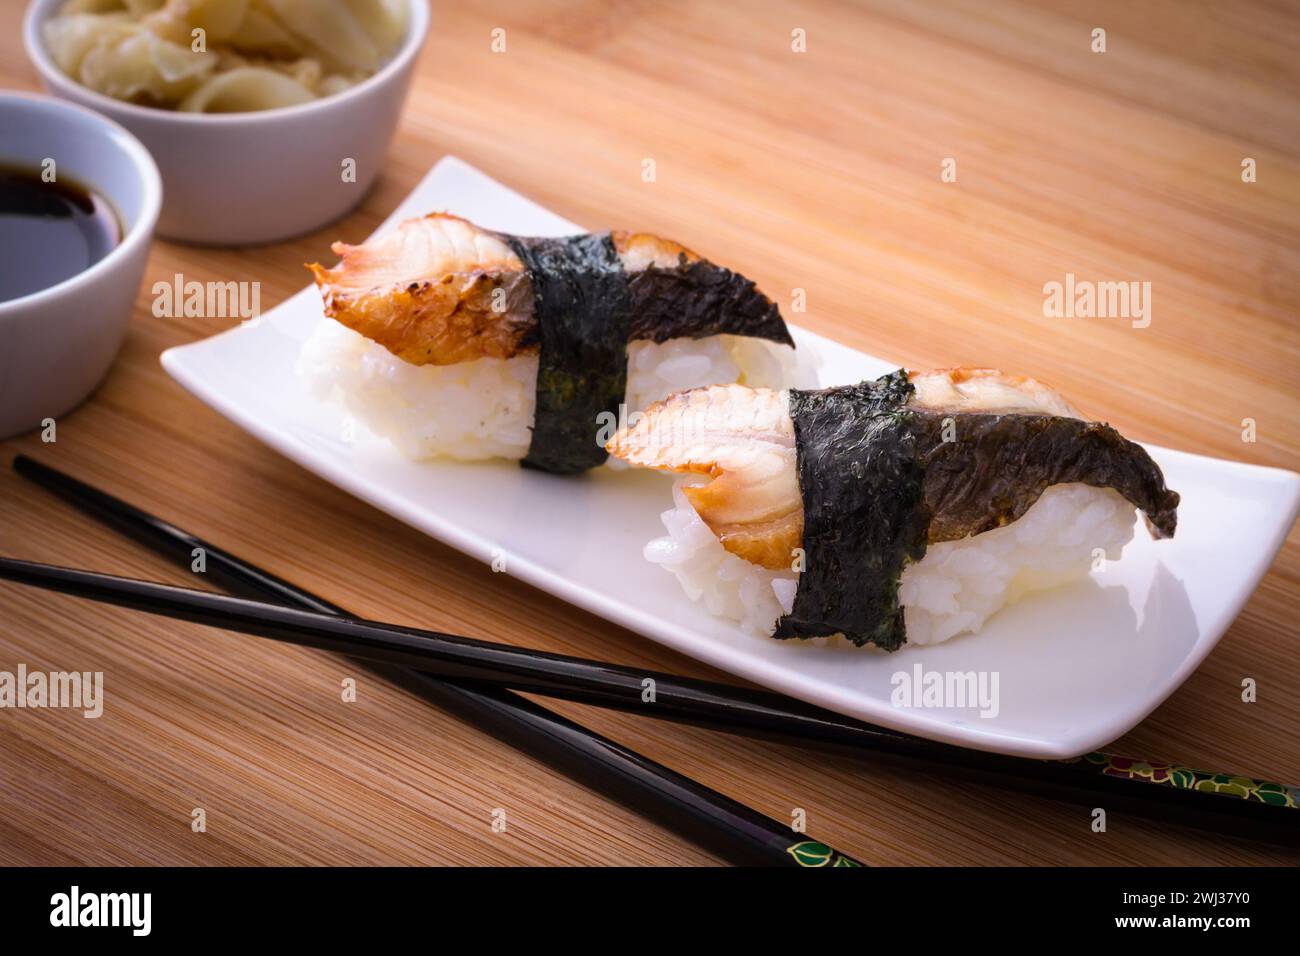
(466, 659)
(734, 831)
(1228, 803)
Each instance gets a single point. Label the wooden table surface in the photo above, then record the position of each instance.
(817, 170)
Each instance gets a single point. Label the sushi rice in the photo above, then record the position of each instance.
(953, 590)
(484, 408)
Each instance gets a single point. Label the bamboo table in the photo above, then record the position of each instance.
(819, 170)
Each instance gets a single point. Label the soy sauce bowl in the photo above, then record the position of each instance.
(57, 343)
(235, 179)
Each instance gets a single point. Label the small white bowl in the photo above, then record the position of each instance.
(56, 344)
(243, 178)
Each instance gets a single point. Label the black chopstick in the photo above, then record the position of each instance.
(713, 820)
(465, 659)
(1218, 802)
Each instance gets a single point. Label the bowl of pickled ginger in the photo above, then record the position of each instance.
(267, 118)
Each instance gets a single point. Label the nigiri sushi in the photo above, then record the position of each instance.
(906, 509)
(450, 339)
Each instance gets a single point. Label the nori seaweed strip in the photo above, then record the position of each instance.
(698, 299)
(863, 511)
(583, 309)
(879, 482)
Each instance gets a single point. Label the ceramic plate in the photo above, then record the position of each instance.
(1076, 667)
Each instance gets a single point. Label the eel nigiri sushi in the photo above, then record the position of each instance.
(910, 508)
(450, 339)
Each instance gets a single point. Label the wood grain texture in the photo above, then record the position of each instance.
(817, 171)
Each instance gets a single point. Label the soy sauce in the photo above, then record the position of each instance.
(49, 231)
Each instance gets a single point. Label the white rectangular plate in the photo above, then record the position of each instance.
(1076, 667)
